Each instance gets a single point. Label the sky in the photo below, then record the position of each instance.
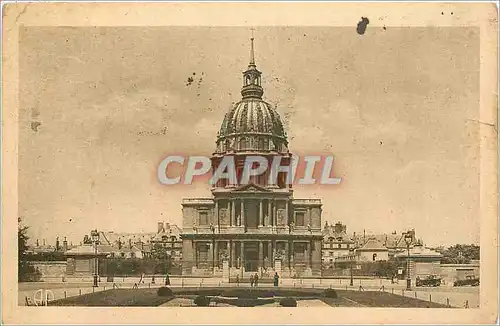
(100, 107)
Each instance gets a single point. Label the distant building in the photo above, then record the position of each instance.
(394, 242)
(336, 243)
(81, 259)
(372, 251)
(168, 239)
(423, 261)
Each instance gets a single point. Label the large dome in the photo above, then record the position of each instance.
(252, 124)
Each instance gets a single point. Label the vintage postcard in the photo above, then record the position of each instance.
(249, 163)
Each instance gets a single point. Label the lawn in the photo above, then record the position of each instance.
(386, 300)
(149, 297)
(116, 297)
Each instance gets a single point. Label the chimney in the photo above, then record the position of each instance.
(37, 243)
(57, 243)
(119, 243)
(65, 244)
(160, 227)
(364, 236)
(130, 243)
(44, 242)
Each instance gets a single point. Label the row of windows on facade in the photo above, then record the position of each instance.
(133, 254)
(298, 252)
(331, 260)
(262, 179)
(334, 245)
(299, 217)
(252, 143)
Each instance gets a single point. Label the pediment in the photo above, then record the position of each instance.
(251, 188)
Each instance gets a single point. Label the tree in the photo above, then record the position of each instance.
(460, 253)
(25, 271)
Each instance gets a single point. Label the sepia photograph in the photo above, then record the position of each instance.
(180, 163)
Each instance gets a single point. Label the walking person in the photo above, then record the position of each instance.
(256, 279)
(167, 279)
(276, 279)
(251, 280)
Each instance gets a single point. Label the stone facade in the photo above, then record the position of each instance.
(257, 227)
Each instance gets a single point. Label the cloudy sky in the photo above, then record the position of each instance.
(101, 107)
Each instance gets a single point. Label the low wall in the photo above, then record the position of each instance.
(452, 272)
(50, 269)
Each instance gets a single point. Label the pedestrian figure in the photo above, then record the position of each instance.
(256, 279)
(276, 279)
(251, 281)
(135, 286)
(167, 280)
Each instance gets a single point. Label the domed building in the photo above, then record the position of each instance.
(256, 227)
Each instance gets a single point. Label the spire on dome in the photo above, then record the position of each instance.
(252, 54)
(252, 77)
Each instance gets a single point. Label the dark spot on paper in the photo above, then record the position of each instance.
(35, 125)
(452, 12)
(381, 143)
(384, 28)
(442, 13)
(190, 80)
(362, 25)
(194, 74)
(70, 219)
(305, 34)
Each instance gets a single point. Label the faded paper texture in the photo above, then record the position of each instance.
(402, 95)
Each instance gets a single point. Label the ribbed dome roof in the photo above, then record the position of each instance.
(252, 125)
(252, 116)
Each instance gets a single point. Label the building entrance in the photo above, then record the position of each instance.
(251, 256)
(251, 214)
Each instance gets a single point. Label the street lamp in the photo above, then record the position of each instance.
(95, 240)
(350, 265)
(408, 241)
(212, 228)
